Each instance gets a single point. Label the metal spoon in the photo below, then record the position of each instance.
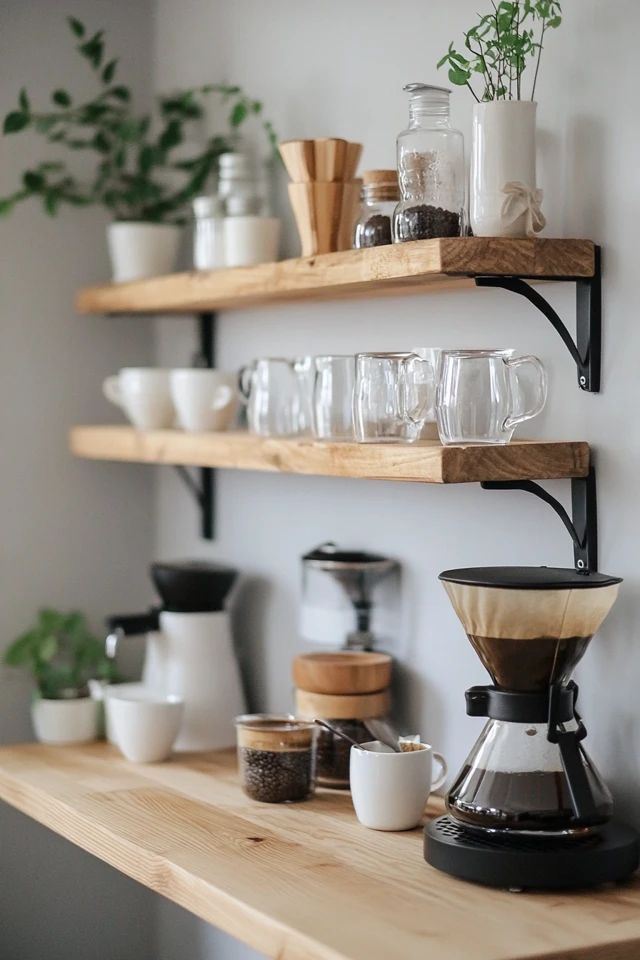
(383, 731)
(338, 733)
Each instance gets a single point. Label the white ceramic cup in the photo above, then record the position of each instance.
(390, 790)
(143, 394)
(144, 723)
(204, 399)
(250, 240)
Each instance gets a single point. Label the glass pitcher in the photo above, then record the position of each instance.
(514, 779)
(483, 394)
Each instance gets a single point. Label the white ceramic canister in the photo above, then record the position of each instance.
(504, 200)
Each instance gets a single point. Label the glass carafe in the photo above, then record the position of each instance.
(514, 779)
(483, 394)
(430, 155)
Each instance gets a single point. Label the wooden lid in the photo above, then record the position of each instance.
(276, 734)
(350, 707)
(380, 176)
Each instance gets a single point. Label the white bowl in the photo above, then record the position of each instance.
(144, 724)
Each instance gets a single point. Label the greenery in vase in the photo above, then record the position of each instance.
(137, 175)
(62, 654)
(501, 46)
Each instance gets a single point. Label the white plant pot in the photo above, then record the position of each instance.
(503, 150)
(65, 721)
(139, 250)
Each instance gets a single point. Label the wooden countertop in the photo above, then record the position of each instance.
(299, 882)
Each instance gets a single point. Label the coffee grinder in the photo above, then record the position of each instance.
(529, 809)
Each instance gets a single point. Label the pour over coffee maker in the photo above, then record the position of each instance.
(529, 808)
(348, 597)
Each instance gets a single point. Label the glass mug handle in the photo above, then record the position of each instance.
(416, 413)
(540, 393)
(245, 381)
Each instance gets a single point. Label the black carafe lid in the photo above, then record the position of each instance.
(192, 586)
(529, 578)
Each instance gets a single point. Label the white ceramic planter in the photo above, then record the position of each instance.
(503, 152)
(139, 250)
(65, 721)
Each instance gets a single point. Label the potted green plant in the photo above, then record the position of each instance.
(62, 655)
(506, 42)
(147, 169)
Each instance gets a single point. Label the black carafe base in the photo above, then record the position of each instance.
(607, 854)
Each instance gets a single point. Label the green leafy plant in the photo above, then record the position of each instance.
(137, 175)
(62, 654)
(501, 46)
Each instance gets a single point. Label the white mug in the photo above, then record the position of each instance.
(143, 394)
(390, 790)
(144, 724)
(204, 399)
(250, 240)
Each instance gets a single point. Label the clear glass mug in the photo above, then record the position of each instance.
(483, 394)
(277, 392)
(392, 397)
(334, 383)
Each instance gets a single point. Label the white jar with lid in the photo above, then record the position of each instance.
(208, 237)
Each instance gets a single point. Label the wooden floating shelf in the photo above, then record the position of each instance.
(423, 462)
(298, 881)
(415, 267)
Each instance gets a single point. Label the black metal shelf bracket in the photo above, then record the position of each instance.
(586, 351)
(582, 526)
(204, 491)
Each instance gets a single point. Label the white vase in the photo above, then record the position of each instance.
(65, 721)
(139, 250)
(503, 151)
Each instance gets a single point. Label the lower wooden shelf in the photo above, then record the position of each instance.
(302, 881)
(423, 462)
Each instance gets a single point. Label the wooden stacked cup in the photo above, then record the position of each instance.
(324, 193)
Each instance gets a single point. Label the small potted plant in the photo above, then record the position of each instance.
(504, 198)
(147, 169)
(62, 655)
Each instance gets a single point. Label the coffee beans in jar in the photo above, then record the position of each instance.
(380, 194)
(276, 757)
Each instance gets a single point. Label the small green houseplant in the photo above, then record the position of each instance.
(62, 655)
(147, 169)
(508, 39)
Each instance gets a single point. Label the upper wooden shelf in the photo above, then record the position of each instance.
(424, 462)
(399, 268)
(298, 881)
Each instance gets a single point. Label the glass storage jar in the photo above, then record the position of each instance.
(380, 195)
(208, 235)
(276, 757)
(238, 186)
(347, 713)
(430, 169)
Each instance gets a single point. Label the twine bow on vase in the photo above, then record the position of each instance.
(520, 200)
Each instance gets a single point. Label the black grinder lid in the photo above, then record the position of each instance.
(528, 578)
(192, 586)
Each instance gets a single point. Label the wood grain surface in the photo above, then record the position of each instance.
(424, 462)
(421, 265)
(302, 881)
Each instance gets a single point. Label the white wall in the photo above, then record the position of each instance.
(337, 68)
(72, 534)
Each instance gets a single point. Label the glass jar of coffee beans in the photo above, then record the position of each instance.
(380, 195)
(276, 757)
(431, 171)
